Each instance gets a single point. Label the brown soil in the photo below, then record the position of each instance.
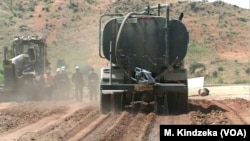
(74, 121)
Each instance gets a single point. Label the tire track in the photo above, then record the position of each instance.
(18, 119)
(85, 123)
(67, 126)
(154, 130)
(90, 128)
(95, 133)
(232, 115)
(73, 133)
(31, 129)
(70, 124)
(115, 131)
(139, 127)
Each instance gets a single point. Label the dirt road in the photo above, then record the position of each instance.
(74, 121)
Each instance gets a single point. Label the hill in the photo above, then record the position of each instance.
(218, 49)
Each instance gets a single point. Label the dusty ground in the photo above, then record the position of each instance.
(74, 121)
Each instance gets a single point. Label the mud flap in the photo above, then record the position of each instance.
(183, 102)
(157, 105)
(105, 103)
(117, 103)
(165, 104)
(177, 103)
(171, 104)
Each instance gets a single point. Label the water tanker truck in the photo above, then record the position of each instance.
(146, 61)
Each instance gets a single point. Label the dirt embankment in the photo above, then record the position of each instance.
(74, 121)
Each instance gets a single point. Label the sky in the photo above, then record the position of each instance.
(241, 3)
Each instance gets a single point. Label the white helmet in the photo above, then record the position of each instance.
(77, 67)
(63, 68)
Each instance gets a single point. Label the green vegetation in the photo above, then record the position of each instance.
(1, 73)
(220, 68)
(197, 68)
(204, 61)
(215, 74)
(197, 51)
(248, 71)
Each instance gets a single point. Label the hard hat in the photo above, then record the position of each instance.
(77, 67)
(58, 70)
(63, 68)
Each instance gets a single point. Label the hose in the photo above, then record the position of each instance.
(118, 40)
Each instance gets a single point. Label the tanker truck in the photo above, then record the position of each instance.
(146, 55)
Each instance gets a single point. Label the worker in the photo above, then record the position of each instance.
(77, 79)
(49, 84)
(57, 80)
(57, 77)
(92, 84)
(64, 83)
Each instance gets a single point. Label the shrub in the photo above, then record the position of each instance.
(194, 66)
(90, 1)
(247, 71)
(220, 81)
(240, 81)
(1, 73)
(220, 69)
(215, 74)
